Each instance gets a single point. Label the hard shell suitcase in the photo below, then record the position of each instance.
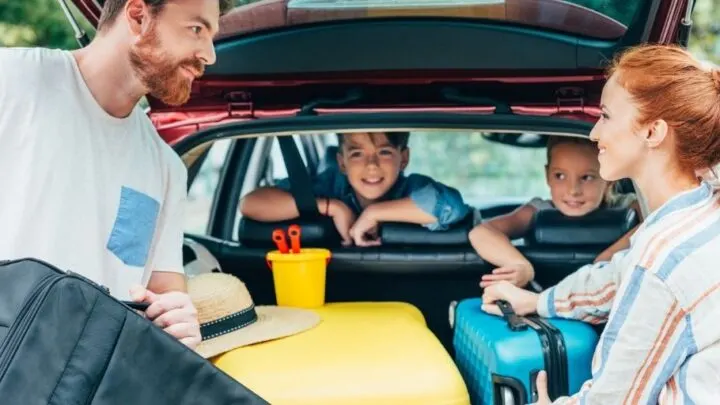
(65, 341)
(499, 357)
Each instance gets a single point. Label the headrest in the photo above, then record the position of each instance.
(601, 227)
(321, 232)
(410, 234)
(315, 232)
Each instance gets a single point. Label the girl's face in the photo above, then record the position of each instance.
(622, 148)
(573, 175)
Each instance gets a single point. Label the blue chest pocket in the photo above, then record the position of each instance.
(134, 227)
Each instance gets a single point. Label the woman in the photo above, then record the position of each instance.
(660, 298)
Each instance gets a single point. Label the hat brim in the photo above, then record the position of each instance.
(273, 323)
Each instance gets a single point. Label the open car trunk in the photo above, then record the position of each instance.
(427, 269)
(288, 66)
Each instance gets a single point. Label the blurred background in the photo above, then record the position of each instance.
(42, 23)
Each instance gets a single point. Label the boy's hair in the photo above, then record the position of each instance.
(398, 139)
(553, 141)
(112, 8)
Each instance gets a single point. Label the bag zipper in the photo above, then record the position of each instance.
(22, 323)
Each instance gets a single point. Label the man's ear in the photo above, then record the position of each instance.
(341, 162)
(657, 133)
(404, 158)
(137, 13)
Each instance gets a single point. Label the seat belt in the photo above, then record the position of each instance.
(301, 187)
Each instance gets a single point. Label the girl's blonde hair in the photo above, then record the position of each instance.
(554, 140)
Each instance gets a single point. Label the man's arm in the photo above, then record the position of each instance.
(170, 306)
(162, 282)
(644, 344)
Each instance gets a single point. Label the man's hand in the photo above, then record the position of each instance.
(541, 384)
(522, 301)
(364, 231)
(517, 274)
(173, 311)
(343, 218)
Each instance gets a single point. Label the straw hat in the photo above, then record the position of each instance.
(229, 318)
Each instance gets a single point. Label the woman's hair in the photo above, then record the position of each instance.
(666, 82)
(553, 141)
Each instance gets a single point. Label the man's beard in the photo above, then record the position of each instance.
(159, 73)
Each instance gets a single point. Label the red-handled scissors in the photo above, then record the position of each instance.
(278, 236)
(294, 234)
(280, 240)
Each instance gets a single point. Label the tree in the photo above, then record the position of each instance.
(38, 23)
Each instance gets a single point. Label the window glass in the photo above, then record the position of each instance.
(202, 191)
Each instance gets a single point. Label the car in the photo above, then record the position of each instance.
(505, 73)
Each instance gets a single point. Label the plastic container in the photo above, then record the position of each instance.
(299, 278)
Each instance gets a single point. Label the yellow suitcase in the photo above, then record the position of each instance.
(368, 353)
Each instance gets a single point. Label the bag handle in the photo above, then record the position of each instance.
(515, 322)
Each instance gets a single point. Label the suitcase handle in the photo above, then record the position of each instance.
(514, 321)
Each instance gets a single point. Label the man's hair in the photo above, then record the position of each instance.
(398, 139)
(112, 8)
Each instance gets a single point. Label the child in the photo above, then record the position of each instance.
(576, 189)
(369, 186)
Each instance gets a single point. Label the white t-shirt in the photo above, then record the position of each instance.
(79, 188)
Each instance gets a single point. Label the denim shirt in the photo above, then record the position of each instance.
(443, 202)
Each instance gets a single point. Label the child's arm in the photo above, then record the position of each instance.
(434, 205)
(431, 204)
(492, 242)
(622, 243)
(272, 204)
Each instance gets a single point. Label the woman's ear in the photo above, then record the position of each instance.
(657, 133)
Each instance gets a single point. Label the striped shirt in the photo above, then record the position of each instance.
(661, 302)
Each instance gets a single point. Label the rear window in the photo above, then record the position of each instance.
(606, 19)
(485, 172)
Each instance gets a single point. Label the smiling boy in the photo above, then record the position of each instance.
(370, 186)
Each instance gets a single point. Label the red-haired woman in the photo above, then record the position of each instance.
(660, 126)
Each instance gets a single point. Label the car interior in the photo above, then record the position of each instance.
(429, 270)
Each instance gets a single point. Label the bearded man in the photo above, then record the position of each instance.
(86, 183)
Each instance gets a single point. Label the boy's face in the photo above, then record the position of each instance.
(574, 180)
(371, 163)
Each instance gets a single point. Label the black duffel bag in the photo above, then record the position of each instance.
(65, 341)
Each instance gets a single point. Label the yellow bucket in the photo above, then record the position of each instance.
(299, 278)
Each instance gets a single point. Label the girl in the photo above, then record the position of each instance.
(576, 189)
(660, 298)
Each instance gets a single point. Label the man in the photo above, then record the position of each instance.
(86, 183)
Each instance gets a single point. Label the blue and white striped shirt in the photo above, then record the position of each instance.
(661, 301)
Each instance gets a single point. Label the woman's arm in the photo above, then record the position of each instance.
(643, 344)
(622, 243)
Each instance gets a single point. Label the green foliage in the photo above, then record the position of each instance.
(37, 23)
(482, 169)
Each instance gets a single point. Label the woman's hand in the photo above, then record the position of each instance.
(541, 384)
(522, 301)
